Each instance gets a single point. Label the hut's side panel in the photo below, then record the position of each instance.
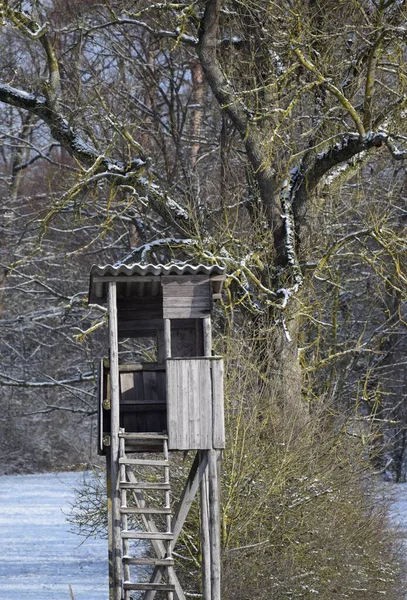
(186, 297)
(189, 397)
(195, 403)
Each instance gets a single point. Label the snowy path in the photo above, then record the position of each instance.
(39, 557)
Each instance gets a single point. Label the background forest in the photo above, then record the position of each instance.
(267, 137)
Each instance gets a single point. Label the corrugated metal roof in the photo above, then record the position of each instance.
(130, 278)
(171, 269)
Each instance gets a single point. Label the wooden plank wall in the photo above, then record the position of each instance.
(194, 392)
(186, 297)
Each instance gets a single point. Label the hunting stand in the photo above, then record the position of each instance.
(171, 403)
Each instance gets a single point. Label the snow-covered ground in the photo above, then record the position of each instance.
(39, 556)
(399, 508)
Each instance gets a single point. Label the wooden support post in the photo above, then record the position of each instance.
(205, 537)
(188, 494)
(167, 338)
(207, 336)
(114, 443)
(109, 523)
(204, 495)
(214, 523)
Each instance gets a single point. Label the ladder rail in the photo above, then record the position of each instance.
(124, 517)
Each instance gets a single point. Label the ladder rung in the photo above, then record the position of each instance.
(135, 510)
(166, 587)
(144, 436)
(146, 535)
(157, 562)
(143, 462)
(145, 485)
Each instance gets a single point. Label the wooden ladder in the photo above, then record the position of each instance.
(142, 481)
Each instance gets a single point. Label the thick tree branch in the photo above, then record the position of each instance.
(133, 174)
(304, 180)
(242, 119)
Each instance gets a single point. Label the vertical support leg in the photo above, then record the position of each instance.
(207, 336)
(205, 537)
(167, 338)
(214, 523)
(114, 442)
(213, 499)
(109, 524)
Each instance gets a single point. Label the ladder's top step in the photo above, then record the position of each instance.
(144, 436)
(166, 587)
(157, 562)
(146, 535)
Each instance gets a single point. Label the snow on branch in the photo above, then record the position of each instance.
(141, 252)
(286, 198)
(8, 381)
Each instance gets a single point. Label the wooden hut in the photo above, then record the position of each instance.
(173, 402)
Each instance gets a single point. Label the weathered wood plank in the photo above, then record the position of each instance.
(146, 535)
(114, 442)
(148, 326)
(161, 562)
(135, 510)
(100, 388)
(172, 403)
(186, 312)
(126, 278)
(167, 338)
(189, 399)
(207, 336)
(144, 436)
(188, 494)
(146, 462)
(109, 523)
(145, 485)
(149, 586)
(199, 302)
(205, 535)
(214, 523)
(185, 393)
(205, 404)
(142, 367)
(218, 416)
(185, 279)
